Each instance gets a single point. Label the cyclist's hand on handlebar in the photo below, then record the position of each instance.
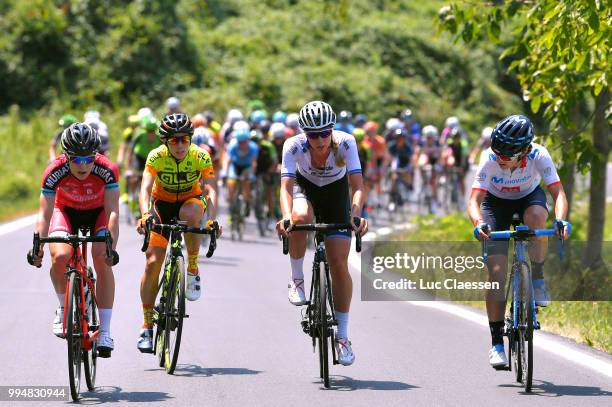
(362, 229)
(565, 226)
(209, 225)
(35, 260)
(113, 260)
(140, 225)
(280, 228)
(482, 230)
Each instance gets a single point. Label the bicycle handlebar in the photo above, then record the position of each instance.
(322, 227)
(522, 232)
(175, 227)
(73, 240)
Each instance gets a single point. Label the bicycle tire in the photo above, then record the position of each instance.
(175, 303)
(528, 331)
(73, 336)
(516, 350)
(323, 328)
(90, 357)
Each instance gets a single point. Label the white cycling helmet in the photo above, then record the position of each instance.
(277, 130)
(293, 120)
(241, 124)
(91, 116)
(316, 115)
(486, 133)
(144, 112)
(393, 123)
(234, 115)
(430, 131)
(451, 122)
(173, 103)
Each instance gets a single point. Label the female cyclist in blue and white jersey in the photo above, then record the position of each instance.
(317, 168)
(506, 183)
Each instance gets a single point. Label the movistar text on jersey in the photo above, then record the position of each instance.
(412, 264)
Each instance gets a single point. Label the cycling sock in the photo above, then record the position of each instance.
(61, 297)
(147, 312)
(342, 318)
(297, 268)
(536, 270)
(192, 261)
(497, 332)
(105, 319)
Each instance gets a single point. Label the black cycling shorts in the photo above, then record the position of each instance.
(498, 212)
(331, 203)
(165, 212)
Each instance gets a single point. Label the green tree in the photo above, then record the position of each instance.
(560, 52)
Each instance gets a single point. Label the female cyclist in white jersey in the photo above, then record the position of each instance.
(508, 182)
(317, 168)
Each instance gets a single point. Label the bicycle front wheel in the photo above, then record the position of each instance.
(175, 312)
(323, 327)
(526, 323)
(73, 335)
(90, 357)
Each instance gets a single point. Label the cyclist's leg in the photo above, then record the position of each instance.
(232, 176)
(302, 213)
(192, 211)
(60, 225)
(535, 216)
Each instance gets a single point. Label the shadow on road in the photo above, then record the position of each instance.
(110, 394)
(199, 371)
(548, 389)
(345, 383)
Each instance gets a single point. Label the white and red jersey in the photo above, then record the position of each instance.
(74, 193)
(506, 184)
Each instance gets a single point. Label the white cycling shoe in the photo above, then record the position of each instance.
(296, 292)
(497, 357)
(193, 290)
(58, 322)
(346, 357)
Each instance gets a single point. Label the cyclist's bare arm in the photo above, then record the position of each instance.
(356, 183)
(45, 211)
(473, 207)
(212, 197)
(145, 191)
(286, 202)
(111, 208)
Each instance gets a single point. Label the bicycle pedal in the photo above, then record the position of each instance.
(501, 368)
(186, 316)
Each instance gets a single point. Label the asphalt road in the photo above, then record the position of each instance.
(243, 345)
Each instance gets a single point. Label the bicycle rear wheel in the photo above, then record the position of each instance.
(321, 312)
(90, 356)
(175, 311)
(73, 335)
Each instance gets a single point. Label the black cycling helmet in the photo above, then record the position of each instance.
(316, 115)
(360, 120)
(512, 135)
(80, 139)
(173, 124)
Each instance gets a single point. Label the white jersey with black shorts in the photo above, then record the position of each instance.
(325, 188)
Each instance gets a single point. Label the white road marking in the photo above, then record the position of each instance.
(17, 224)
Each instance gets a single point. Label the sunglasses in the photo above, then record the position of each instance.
(181, 139)
(78, 160)
(506, 157)
(319, 134)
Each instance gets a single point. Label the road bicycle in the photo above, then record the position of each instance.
(81, 324)
(169, 311)
(319, 319)
(521, 317)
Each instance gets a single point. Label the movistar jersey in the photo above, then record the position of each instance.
(506, 184)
